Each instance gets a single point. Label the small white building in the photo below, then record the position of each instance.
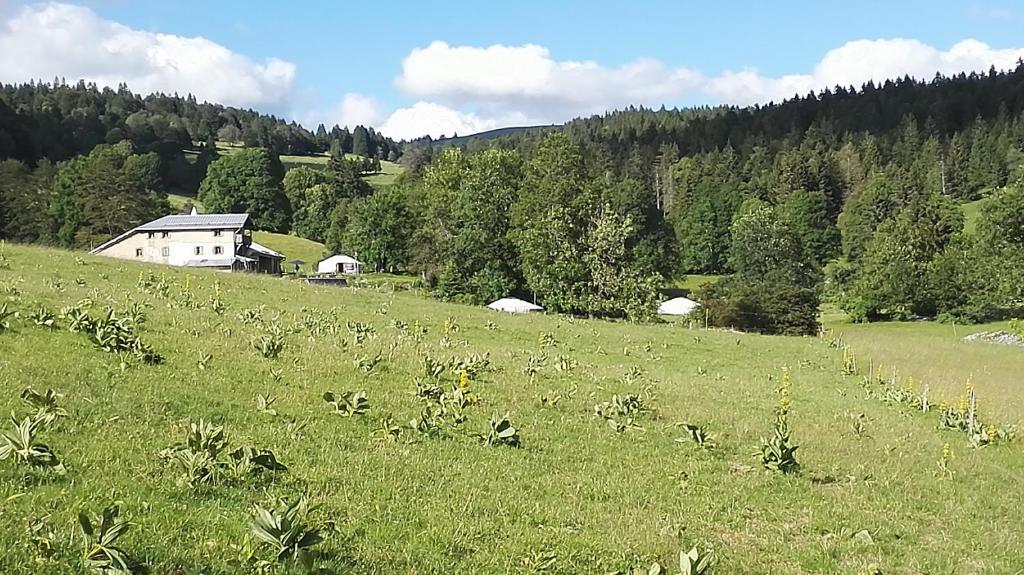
(513, 305)
(217, 241)
(677, 306)
(340, 264)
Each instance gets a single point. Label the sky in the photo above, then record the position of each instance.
(439, 68)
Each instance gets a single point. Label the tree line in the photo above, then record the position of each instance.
(58, 121)
(853, 195)
(845, 170)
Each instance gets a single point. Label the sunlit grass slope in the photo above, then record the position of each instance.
(293, 247)
(577, 496)
(936, 353)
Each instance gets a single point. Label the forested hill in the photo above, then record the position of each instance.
(59, 121)
(859, 186)
(850, 194)
(940, 107)
(488, 135)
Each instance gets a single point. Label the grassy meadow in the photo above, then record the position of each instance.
(935, 353)
(179, 201)
(690, 283)
(311, 252)
(972, 211)
(293, 247)
(389, 171)
(576, 497)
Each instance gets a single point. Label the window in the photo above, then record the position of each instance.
(150, 235)
(165, 252)
(165, 234)
(199, 250)
(138, 252)
(217, 250)
(216, 233)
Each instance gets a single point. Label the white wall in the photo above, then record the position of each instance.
(180, 246)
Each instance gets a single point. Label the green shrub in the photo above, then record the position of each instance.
(501, 432)
(269, 344)
(199, 460)
(286, 531)
(698, 435)
(45, 404)
(771, 305)
(101, 552)
(778, 452)
(21, 445)
(348, 403)
(43, 318)
(6, 316)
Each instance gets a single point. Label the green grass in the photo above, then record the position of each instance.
(318, 161)
(935, 353)
(596, 500)
(384, 281)
(179, 201)
(389, 171)
(691, 282)
(293, 248)
(972, 210)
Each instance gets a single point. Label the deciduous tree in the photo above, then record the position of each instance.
(246, 182)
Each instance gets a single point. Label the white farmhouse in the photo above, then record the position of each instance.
(340, 264)
(217, 241)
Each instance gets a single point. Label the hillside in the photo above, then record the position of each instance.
(60, 120)
(936, 354)
(972, 210)
(494, 134)
(293, 248)
(576, 497)
(387, 176)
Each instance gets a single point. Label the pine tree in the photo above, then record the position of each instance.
(956, 167)
(360, 141)
(323, 141)
(984, 166)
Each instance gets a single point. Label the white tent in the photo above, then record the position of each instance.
(340, 264)
(513, 305)
(677, 306)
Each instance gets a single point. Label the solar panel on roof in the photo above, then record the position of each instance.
(200, 221)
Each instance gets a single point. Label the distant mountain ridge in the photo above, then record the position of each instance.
(494, 134)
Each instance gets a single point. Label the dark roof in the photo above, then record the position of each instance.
(195, 222)
(212, 263)
(259, 249)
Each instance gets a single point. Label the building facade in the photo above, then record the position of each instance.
(217, 241)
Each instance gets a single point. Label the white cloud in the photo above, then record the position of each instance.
(479, 88)
(356, 109)
(436, 120)
(859, 61)
(51, 40)
(456, 89)
(526, 79)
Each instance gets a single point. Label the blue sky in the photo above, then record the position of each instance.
(439, 67)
